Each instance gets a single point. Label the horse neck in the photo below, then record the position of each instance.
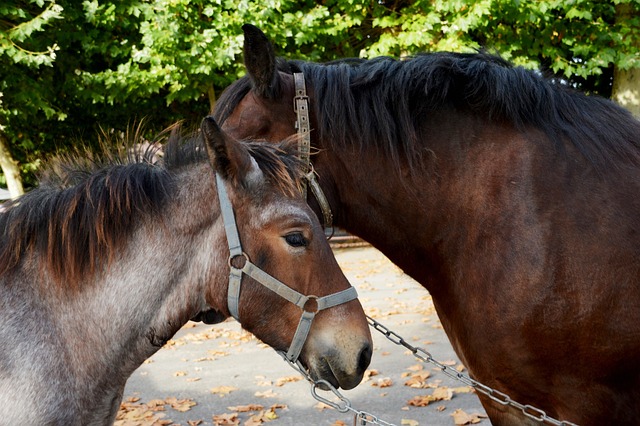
(410, 215)
(158, 282)
(370, 198)
(153, 287)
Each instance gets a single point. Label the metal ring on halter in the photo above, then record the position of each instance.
(314, 300)
(235, 256)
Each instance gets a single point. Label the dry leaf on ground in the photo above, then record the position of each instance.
(223, 390)
(462, 418)
(290, 379)
(226, 419)
(181, 405)
(246, 408)
(384, 382)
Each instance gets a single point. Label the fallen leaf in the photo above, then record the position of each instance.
(158, 404)
(226, 419)
(246, 408)
(266, 394)
(194, 422)
(421, 401)
(462, 418)
(223, 390)
(181, 405)
(132, 413)
(442, 394)
(262, 417)
(418, 380)
(278, 407)
(291, 379)
(409, 422)
(384, 382)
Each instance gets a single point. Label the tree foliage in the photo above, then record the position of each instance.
(69, 68)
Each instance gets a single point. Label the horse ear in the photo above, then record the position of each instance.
(260, 61)
(228, 157)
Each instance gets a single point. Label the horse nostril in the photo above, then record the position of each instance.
(365, 358)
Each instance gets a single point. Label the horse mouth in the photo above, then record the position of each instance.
(324, 374)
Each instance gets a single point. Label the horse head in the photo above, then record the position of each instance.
(278, 236)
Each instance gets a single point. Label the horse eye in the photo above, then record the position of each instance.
(296, 240)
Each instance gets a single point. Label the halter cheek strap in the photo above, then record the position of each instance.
(301, 107)
(310, 305)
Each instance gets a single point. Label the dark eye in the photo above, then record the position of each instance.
(296, 240)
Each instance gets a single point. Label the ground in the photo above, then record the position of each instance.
(222, 375)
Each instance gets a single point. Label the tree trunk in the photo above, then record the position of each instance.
(626, 89)
(211, 93)
(10, 169)
(626, 83)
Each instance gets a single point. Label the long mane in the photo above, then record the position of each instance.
(86, 205)
(382, 103)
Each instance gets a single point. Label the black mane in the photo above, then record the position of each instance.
(383, 101)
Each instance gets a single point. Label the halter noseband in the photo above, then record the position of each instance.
(306, 303)
(301, 107)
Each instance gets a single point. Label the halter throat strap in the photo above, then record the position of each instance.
(310, 305)
(301, 107)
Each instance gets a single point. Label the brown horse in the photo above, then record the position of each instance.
(105, 261)
(513, 199)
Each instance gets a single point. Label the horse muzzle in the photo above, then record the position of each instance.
(341, 363)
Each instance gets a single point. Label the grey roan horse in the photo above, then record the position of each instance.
(106, 260)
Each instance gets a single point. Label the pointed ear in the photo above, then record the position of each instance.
(260, 61)
(228, 157)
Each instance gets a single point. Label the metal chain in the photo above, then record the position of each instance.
(497, 396)
(361, 418)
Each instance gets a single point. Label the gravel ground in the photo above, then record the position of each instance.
(222, 375)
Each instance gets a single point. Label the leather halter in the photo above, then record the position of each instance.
(310, 305)
(301, 107)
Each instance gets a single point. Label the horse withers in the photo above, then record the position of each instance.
(105, 260)
(513, 199)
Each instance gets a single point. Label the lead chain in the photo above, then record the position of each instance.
(361, 418)
(497, 396)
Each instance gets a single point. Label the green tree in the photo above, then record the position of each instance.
(582, 41)
(24, 50)
(70, 68)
